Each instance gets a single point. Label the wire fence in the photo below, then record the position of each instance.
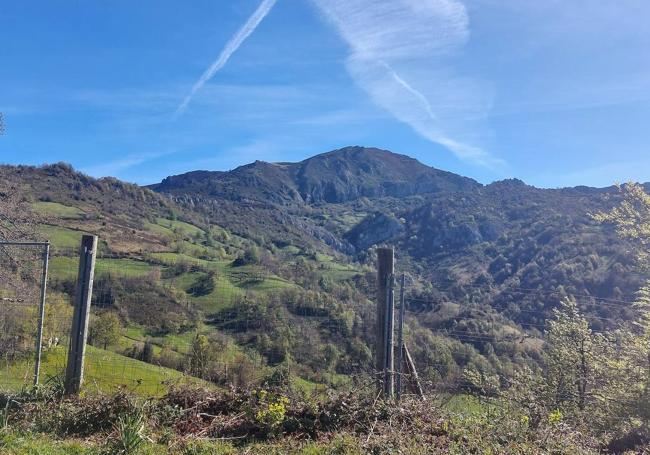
(25, 336)
(166, 320)
(221, 324)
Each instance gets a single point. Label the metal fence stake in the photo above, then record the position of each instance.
(400, 338)
(389, 356)
(41, 315)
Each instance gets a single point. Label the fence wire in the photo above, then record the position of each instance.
(168, 320)
(21, 282)
(157, 324)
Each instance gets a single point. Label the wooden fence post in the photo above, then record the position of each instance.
(79, 330)
(384, 333)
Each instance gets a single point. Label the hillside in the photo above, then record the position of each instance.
(260, 257)
(454, 233)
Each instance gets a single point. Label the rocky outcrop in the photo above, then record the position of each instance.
(374, 229)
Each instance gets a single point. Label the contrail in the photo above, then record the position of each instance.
(230, 48)
(409, 88)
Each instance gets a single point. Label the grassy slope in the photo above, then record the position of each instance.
(58, 210)
(61, 237)
(168, 242)
(20, 443)
(62, 267)
(104, 371)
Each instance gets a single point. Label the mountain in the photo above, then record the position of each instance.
(203, 250)
(449, 230)
(336, 177)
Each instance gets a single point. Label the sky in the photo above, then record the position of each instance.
(554, 92)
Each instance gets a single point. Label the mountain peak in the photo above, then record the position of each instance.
(333, 177)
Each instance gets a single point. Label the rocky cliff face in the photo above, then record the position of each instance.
(375, 229)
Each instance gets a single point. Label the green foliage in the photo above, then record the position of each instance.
(571, 357)
(105, 330)
(147, 352)
(250, 256)
(352, 423)
(129, 431)
(204, 285)
(555, 417)
(200, 356)
(632, 218)
(271, 409)
(143, 301)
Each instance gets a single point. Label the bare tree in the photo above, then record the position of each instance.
(20, 270)
(19, 267)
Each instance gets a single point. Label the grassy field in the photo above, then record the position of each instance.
(22, 443)
(158, 229)
(269, 283)
(124, 267)
(104, 371)
(38, 444)
(62, 267)
(230, 281)
(221, 297)
(54, 209)
(61, 237)
(467, 405)
(170, 258)
(180, 226)
(334, 270)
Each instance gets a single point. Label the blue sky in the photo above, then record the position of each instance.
(556, 93)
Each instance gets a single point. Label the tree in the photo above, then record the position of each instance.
(632, 219)
(147, 352)
(584, 379)
(208, 239)
(570, 356)
(199, 356)
(251, 256)
(17, 223)
(105, 330)
(629, 389)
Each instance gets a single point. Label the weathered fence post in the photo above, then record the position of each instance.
(41, 314)
(79, 330)
(385, 304)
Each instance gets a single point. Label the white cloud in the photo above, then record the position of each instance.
(400, 55)
(230, 48)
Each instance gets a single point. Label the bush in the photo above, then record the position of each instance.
(204, 285)
(251, 256)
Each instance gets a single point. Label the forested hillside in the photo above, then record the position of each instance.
(204, 252)
(452, 233)
(264, 277)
